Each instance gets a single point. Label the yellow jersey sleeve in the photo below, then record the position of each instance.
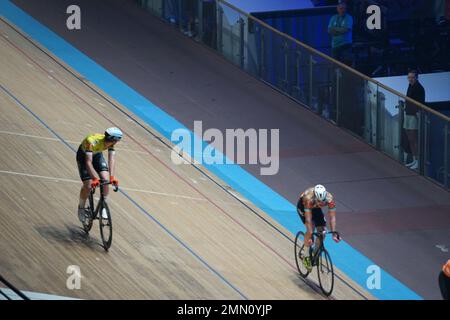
(94, 143)
(89, 144)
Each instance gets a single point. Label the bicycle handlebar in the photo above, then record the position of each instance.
(115, 188)
(328, 232)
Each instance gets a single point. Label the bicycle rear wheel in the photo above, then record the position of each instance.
(325, 272)
(105, 225)
(300, 254)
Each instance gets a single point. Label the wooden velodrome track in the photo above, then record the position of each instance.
(177, 233)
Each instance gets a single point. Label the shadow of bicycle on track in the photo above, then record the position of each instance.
(71, 235)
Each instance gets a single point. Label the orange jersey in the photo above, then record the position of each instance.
(446, 269)
(310, 202)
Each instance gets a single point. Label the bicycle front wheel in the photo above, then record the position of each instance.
(105, 225)
(87, 225)
(325, 273)
(300, 254)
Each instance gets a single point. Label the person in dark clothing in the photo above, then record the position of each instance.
(189, 12)
(209, 23)
(411, 118)
(444, 281)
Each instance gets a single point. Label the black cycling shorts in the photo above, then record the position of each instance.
(318, 218)
(98, 161)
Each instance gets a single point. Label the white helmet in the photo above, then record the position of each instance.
(113, 133)
(320, 192)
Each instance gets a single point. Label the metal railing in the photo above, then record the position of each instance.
(335, 91)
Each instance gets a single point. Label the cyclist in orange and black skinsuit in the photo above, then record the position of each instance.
(444, 281)
(309, 208)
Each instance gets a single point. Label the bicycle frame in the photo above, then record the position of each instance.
(102, 198)
(319, 250)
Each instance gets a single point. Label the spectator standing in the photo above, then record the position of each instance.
(340, 28)
(411, 118)
(209, 23)
(189, 12)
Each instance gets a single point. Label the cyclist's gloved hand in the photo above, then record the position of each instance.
(336, 237)
(95, 182)
(114, 181)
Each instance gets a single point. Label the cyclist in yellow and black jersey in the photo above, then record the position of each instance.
(91, 163)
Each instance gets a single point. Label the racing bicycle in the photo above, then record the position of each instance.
(102, 213)
(319, 258)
